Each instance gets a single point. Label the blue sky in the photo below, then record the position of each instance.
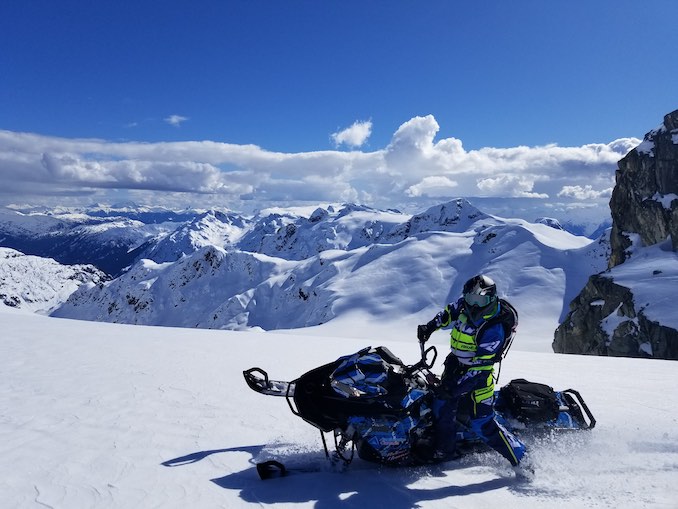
(292, 76)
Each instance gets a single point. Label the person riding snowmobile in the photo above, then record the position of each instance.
(467, 384)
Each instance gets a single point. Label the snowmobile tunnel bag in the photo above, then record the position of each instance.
(530, 401)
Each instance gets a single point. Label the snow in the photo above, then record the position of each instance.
(665, 199)
(646, 147)
(652, 275)
(37, 224)
(37, 284)
(549, 221)
(646, 348)
(610, 323)
(119, 416)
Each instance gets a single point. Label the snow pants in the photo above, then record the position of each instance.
(474, 389)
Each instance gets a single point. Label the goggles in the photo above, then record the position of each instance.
(473, 299)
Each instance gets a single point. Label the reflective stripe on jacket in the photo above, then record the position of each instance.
(478, 351)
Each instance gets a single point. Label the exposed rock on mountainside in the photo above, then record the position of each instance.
(623, 311)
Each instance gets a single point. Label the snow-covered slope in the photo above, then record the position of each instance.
(39, 284)
(118, 416)
(414, 267)
(651, 273)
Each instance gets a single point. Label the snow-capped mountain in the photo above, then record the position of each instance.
(285, 271)
(39, 284)
(143, 214)
(349, 227)
(113, 238)
(549, 221)
(77, 237)
(297, 237)
(590, 230)
(212, 228)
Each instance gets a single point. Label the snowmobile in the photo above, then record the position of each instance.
(382, 409)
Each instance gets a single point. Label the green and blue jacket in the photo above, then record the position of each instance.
(476, 345)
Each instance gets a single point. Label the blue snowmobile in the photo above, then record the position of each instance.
(376, 405)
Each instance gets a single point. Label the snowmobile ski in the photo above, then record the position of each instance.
(273, 469)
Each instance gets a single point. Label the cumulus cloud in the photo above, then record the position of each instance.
(584, 193)
(433, 186)
(354, 136)
(175, 120)
(510, 185)
(412, 169)
(181, 176)
(536, 172)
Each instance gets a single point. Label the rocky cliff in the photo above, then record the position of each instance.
(628, 310)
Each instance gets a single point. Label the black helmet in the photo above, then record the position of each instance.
(480, 297)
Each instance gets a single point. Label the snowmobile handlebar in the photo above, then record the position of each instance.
(424, 363)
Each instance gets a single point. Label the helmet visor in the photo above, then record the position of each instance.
(473, 299)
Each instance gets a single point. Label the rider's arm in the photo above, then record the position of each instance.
(447, 315)
(442, 319)
(489, 343)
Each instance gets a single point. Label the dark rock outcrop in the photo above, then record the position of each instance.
(605, 319)
(642, 201)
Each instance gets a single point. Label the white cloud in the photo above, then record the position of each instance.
(510, 186)
(535, 172)
(414, 168)
(184, 176)
(175, 120)
(354, 136)
(584, 193)
(433, 186)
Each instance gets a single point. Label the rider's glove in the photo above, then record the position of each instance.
(432, 379)
(424, 331)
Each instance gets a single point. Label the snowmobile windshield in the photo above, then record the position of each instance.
(361, 374)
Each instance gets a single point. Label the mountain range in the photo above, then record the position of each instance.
(299, 268)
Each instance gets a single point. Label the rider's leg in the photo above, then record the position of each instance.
(484, 424)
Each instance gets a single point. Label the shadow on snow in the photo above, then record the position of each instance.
(311, 479)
